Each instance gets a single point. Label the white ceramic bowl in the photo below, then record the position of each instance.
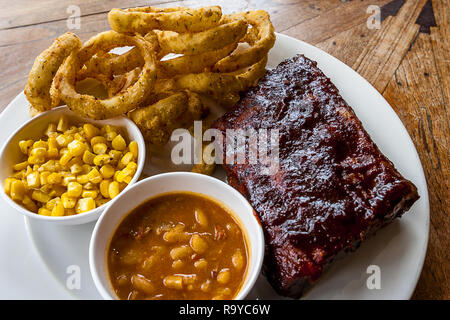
(34, 129)
(169, 182)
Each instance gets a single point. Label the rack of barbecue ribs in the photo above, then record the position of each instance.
(333, 187)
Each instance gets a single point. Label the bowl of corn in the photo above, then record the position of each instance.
(62, 168)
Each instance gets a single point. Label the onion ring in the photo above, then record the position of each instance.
(215, 84)
(129, 99)
(111, 64)
(158, 120)
(263, 29)
(231, 29)
(45, 67)
(193, 63)
(143, 20)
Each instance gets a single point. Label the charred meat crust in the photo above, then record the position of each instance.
(333, 187)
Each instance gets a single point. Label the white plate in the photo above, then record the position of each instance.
(398, 250)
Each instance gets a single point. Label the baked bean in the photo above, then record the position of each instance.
(180, 252)
(201, 218)
(189, 278)
(206, 286)
(177, 264)
(131, 257)
(175, 236)
(122, 280)
(238, 260)
(173, 282)
(198, 244)
(201, 264)
(143, 284)
(149, 263)
(224, 276)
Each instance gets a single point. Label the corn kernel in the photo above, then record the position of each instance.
(86, 168)
(40, 196)
(63, 124)
(104, 188)
(68, 201)
(40, 144)
(52, 143)
(130, 169)
(65, 158)
(74, 189)
(29, 204)
(107, 171)
(17, 190)
(115, 155)
(8, 182)
(68, 179)
(54, 178)
(88, 157)
(44, 212)
(100, 201)
(52, 152)
(52, 203)
(63, 140)
(99, 148)
(50, 129)
(102, 159)
(127, 179)
(76, 148)
(58, 210)
(35, 160)
(79, 137)
(125, 160)
(71, 130)
(84, 204)
(90, 194)
(70, 211)
(50, 165)
(120, 176)
(33, 180)
(25, 146)
(134, 149)
(20, 166)
(90, 130)
(76, 168)
(113, 189)
(43, 177)
(94, 176)
(83, 179)
(98, 139)
(119, 143)
(89, 186)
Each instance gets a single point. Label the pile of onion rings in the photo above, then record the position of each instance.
(178, 56)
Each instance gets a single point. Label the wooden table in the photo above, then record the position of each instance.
(406, 58)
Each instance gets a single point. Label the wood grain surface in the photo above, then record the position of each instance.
(406, 59)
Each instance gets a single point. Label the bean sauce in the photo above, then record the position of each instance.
(179, 245)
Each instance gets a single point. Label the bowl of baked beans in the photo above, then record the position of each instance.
(177, 236)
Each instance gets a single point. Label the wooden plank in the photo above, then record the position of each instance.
(413, 93)
(348, 45)
(30, 12)
(331, 22)
(382, 55)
